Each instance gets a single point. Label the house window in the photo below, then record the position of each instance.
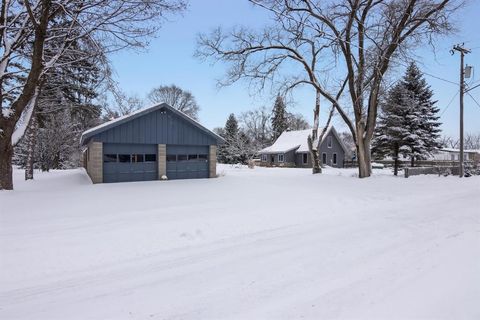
(281, 158)
(109, 158)
(264, 158)
(324, 158)
(334, 158)
(329, 141)
(305, 158)
(150, 157)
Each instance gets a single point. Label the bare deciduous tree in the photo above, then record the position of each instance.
(364, 37)
(37, 35)
(472, 141)
(268, 56)
(257, 126)
(177, 98)
(297, 121)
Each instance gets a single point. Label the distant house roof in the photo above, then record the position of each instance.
(289, 140)
(123, 119)
(297, 140)
(451, 150)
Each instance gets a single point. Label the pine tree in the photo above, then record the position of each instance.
(231, 127)
(230, 134)
(408, 123)
(238, 148)
(65, 108)
(427, 120)
(392, 126)
(279, 118)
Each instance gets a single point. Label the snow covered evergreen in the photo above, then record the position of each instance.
(279, 118)
(237, 147)
(408, 124)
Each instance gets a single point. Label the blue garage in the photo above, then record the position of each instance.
(156, 143)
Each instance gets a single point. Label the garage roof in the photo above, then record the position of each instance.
(123, 119)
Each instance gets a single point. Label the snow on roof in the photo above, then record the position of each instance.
(109, 124)
(458, 150)
(291, 140)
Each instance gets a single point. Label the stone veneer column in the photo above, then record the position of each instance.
(212, 163)
(95, 161)
(162, 161)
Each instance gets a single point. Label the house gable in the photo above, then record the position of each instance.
(160, 124)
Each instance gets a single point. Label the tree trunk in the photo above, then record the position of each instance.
(363, 153)
(395, 157)
(31, 140)
(6, 154)
(316, 168)
(364, 163)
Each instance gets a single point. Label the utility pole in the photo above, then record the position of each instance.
(463, 51)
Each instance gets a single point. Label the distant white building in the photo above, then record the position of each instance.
(449, 154)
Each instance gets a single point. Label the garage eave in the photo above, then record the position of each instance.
(87, 135)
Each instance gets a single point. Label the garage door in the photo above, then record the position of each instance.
(129, 162)
(187, 162)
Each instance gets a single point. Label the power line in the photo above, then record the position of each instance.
(448, 105)
(474, 87)
(478, 104)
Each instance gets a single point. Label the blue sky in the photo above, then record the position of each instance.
(169, 60)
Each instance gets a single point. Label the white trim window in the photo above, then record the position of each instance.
(281, 157)
(334, 158)
(329, 141)
(264, 158)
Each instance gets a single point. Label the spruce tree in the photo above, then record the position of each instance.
(426, 123)
(279, 118)
(231, 127)
(392, 127)
(226, 151)
(408, 122)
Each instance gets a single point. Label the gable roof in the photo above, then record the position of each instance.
(126, 118)
(287, 141)
(297, 140)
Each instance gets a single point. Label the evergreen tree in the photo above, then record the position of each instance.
(65, 108)
(231, 127)
(426, 122)
(279, 118)
(408, 122)
(392, 126)
(238, 147)
(230, 134)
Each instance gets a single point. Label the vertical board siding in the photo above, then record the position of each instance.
(159, 127)
(336, 148)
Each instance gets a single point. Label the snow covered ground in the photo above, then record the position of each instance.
(252, 244)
